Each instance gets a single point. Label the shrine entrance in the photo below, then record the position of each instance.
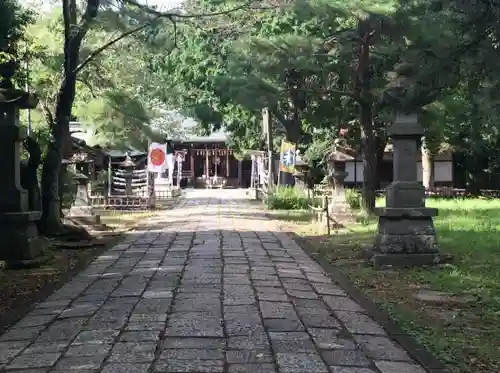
(209, 163)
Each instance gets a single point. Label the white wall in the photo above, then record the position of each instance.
(443, 171)
(349, 168)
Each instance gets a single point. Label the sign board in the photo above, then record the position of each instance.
(287, 157)
(157, 156)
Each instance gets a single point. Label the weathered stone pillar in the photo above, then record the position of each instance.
(19, 238)
(406, 234)
(81, 206)
(338, 174)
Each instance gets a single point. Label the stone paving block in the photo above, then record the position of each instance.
(277, 310)
(311, 307)
(47, 347)
(358, 323)
(189, 366)
(284, 342)
(398, 367)
(381, 348)
(194, 324)
(152, 306)
(300, 363)
(30, 321)
(10, 349)
(252, 368)
(140, 326)
(61, 330)
(139, 336)
(99, 336)
(247, 357)
(284, 325)
(153, 294)
(331, 339)
(256, 341)
(328, 289)
(126, 368)
(345, 357)
(201, 303)
(192, 354)
(147, 317)
(81, 310)
(21, 334)
(342, 304)
(319, 321)
(27, 361)
(242, 324)
(132, 352)
(194, 343)
(79, 364)
(302, 294)
(88, 350)
(338, 369)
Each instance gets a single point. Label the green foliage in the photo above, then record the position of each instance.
(287, 198)
(13, 21)
(353, 198)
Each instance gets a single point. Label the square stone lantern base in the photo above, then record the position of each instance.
(406, 238)
(19, 240)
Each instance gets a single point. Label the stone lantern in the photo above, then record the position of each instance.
(337, 174)
(19, 238)
(81, 206)
(406, 235)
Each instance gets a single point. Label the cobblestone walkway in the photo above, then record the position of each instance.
(209, 287)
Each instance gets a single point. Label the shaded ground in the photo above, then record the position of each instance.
(462, 331)
(203, 288)
(21, 288)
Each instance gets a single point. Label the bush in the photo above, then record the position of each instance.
(287, 198)
(353, 198)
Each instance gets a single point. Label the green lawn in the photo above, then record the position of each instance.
(466, 336)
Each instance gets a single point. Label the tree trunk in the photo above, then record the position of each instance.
(369, 156)
(427, 166)
(50, 223)
(62, 144)
(380, 144)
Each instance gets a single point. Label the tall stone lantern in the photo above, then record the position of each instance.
(406, 235)
(19, 238)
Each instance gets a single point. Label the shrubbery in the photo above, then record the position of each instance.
(287, 198)
(353, 198)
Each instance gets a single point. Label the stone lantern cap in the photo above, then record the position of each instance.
(341, 154)
(80, 176)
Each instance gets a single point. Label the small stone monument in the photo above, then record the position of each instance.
(406, 236)
(338, 174)
(81, 206)
(19, 240)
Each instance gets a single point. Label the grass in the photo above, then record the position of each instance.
(466, 336)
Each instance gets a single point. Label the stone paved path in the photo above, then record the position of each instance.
(209, 287)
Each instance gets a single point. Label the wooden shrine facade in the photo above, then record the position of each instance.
(209, 160)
